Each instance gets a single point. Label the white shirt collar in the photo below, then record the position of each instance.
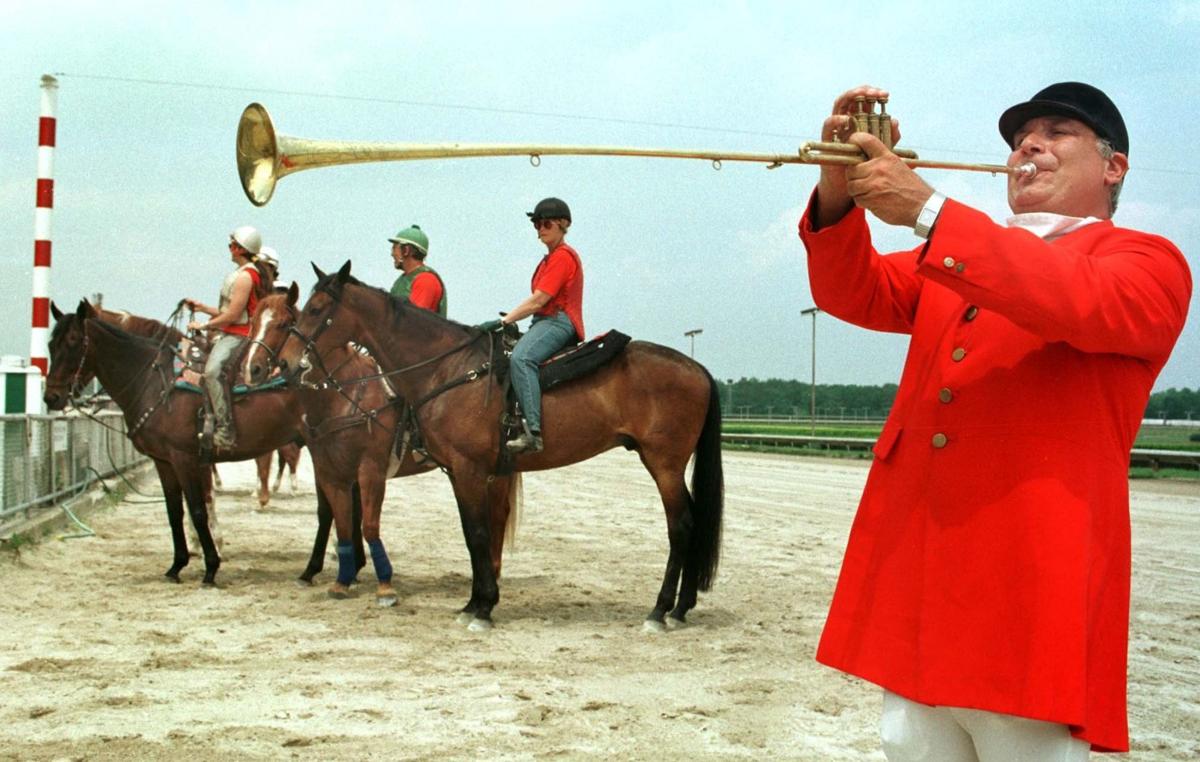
(1048, 226)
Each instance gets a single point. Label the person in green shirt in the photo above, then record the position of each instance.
(418, 283)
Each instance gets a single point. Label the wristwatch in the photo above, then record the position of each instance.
(929, 214)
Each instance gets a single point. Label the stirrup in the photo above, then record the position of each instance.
(526, 442)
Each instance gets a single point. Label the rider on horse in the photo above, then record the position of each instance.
(418, 283)
(239, 297)
(557, 308)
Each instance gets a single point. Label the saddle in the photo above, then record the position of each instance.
(190, 357)
(568, 365)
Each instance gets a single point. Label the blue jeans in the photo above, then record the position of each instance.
(544, 338)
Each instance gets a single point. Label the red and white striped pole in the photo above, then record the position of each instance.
(39, 347)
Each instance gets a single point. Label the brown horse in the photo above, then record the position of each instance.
(649, 399)
(289, 459)
(162, 421)
(352, 450)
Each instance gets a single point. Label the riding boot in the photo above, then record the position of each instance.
(525, 442)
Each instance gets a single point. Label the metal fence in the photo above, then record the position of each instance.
(45, 459)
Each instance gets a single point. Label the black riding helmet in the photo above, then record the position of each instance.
(550, 209)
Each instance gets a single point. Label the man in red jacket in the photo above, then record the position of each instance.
(985, 584)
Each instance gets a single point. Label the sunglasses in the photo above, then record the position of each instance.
(542, 224)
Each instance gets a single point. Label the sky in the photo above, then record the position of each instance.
(150, 93)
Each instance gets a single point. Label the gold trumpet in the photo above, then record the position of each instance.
(264, 156)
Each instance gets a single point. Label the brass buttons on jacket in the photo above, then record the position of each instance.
(960, 267)
(971, 312)
(958, 354)
(939, 440)
(948, 262)
(945, 395)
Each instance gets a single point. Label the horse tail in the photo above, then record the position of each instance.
(708, 494)
(515, 505)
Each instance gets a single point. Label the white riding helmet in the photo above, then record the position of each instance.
(268, 256)
(248, 238)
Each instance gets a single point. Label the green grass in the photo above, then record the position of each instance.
(1149, 438)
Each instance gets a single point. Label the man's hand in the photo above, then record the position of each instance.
(490, 326)
(884, 185)
(833, 198)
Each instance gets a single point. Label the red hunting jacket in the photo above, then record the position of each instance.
(988, 563)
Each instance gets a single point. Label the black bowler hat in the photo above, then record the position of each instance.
(550, 209)
(1071, 99)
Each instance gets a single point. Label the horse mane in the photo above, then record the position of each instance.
(141, 326)
(400, 308)
(133, 340)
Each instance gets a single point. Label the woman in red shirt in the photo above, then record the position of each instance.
(556, 304)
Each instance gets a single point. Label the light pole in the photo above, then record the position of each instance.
(732, 412)
(812, 389)
(692, 335)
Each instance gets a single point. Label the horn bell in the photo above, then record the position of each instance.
(257, 154)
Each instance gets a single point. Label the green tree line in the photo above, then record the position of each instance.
(785, 398)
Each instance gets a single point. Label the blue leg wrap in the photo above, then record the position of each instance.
(383, 567)
(346, 565)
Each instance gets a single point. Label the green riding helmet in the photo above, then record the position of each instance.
(413, 235)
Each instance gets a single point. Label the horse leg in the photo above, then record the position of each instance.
(677, 506)
(263, 463)
(341, 500)
(471, 491)
(371, 489)
(193, 492)
(173, 495)
(293, 464)
(279, 472)
(356, 519)
(499, 505)
(316, 562)
(210, 504)
(216, 478)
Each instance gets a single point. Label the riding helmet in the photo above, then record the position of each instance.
(550, 209)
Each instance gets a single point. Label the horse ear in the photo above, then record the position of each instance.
(55, 311)
(293, 294)
(84, 310)
(344, 274)
(320, 273)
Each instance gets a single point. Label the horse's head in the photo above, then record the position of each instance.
(69, 370)
(270, 328)
(316, 331)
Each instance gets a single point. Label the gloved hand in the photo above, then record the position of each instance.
(490, 326)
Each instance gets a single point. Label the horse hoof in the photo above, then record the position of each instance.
(385, 601)
(653, 625)
(675, 624)
(172, 577)
(480, 625)
(302, 582)
(464, 617)
(339, 592)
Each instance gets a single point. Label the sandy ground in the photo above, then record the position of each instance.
(100, 658)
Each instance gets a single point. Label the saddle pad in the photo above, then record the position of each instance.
(278, 382)
(582, 359)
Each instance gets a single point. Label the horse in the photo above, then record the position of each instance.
(162, 422)
(354, 451)
(152, 329)
(650, 399)
(289, 458)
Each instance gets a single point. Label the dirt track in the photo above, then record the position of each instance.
(101, 658)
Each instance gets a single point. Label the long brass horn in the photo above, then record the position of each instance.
(264, 156)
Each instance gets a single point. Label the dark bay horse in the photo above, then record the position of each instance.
(162, 421)
(353, 449)
(289, 454)
(650, 399)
